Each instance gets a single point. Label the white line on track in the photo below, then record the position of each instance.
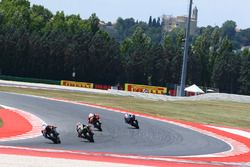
(236, 147)
(28, 161)
(233, 131)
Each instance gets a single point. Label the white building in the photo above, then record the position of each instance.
(171, 22)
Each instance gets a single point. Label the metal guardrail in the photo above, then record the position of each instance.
(32, 80)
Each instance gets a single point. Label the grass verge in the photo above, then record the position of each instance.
(1, 121)
(208, 112)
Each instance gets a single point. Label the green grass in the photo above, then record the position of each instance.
(1, 121)
(209, 112)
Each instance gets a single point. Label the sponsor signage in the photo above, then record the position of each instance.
(145, 89)
(104, 87)
(77, 84)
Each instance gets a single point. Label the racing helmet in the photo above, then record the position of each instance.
(126, 115)
(91, 115)
(44, 125)
(78, 123)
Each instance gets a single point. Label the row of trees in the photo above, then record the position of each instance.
(36, 43)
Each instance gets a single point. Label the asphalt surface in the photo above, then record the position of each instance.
(153, 137)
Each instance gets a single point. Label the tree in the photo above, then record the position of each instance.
(150, 21)
(124, 28)
(228, 29)
(154, 23)
(80, 58)
(245, 73)
(36, 43)
(16, 13)
(93, 22)
(158, 23)
(172, 50)
(39, 17)
(135, 56)
(103, 59)
(243, 37)
(57, 23)
(226, 68)
(160, 66)
(75, 24)
(202, 56)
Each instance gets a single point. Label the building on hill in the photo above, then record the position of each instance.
(170, 22)
(245, 47)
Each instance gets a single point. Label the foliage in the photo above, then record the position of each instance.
(35, 43)
(203, 56)
(136, 57)
(243, 37)
(124, 28)
(226, 68)
(172, 52)
(38, 44)
(245, 73)
(228, 29)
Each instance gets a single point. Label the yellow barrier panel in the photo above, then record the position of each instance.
(77, 84)
(145, 89)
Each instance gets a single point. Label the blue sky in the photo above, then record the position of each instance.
(211, 12)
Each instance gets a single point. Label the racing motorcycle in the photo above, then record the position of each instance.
(132, 121)
(52, 135)
(84, 131)
(96, 122)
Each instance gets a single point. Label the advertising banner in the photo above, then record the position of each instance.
(77, 84)
(145, 89)
(103, 87)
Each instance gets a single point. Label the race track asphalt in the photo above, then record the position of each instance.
(153, 138)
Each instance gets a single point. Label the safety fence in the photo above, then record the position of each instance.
(170, 89)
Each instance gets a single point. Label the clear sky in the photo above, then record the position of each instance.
(211, 12)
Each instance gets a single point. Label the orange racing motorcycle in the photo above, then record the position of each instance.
(95, 121)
